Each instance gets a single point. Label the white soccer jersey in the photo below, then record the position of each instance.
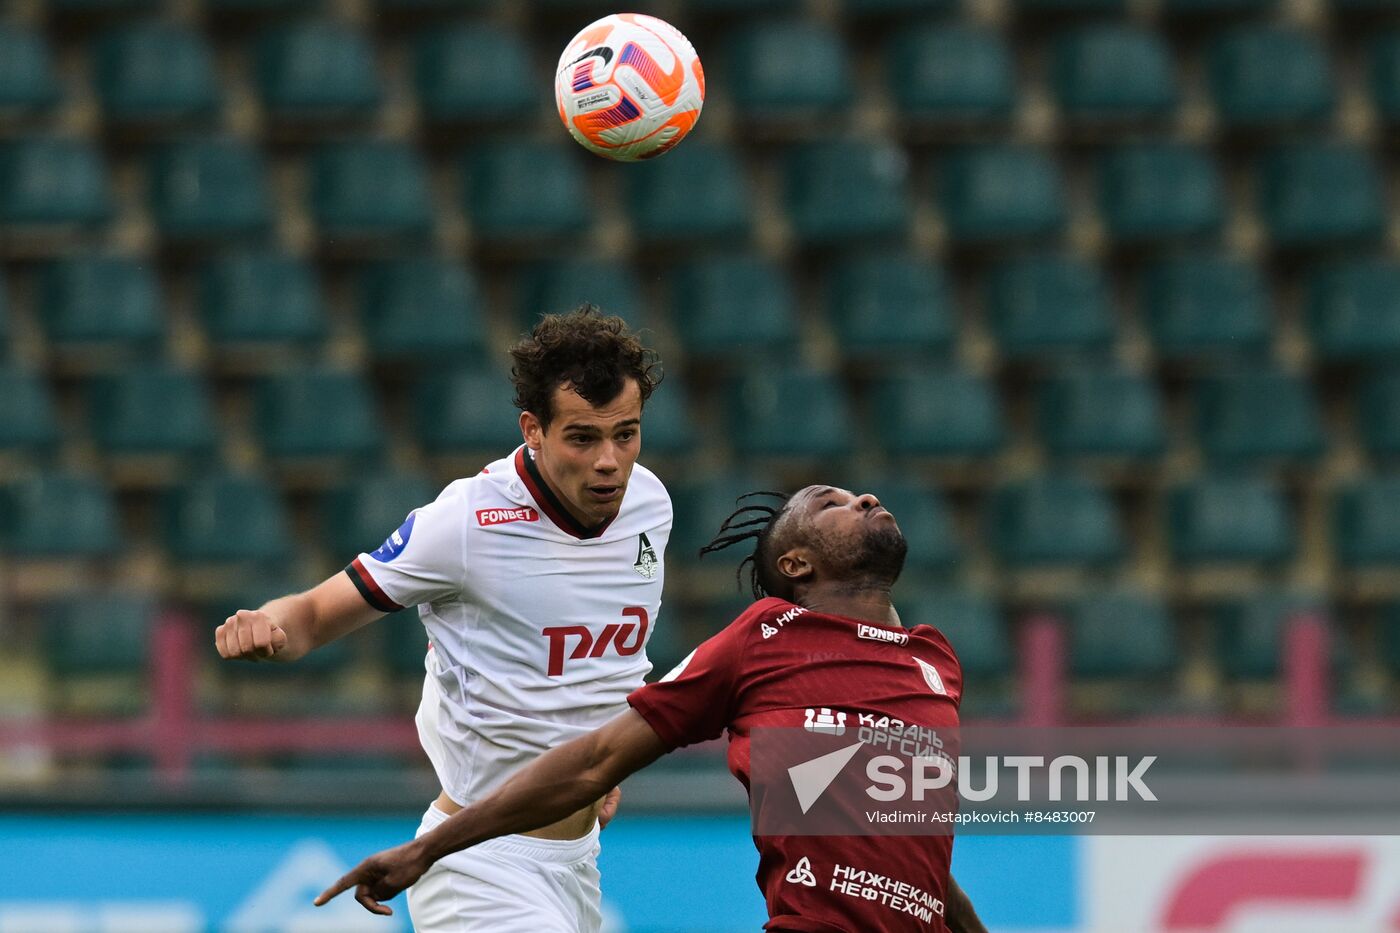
(538, 625)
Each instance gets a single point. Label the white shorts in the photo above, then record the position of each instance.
(514, 884)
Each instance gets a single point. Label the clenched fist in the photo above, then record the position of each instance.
(249, 635)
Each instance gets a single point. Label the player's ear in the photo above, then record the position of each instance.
(794, 564)
(531, 430)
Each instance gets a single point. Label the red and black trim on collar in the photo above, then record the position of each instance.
(548, 502)
(370, 590)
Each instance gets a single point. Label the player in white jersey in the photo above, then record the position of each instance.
(539, 581)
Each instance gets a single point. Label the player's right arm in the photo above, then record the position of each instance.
(419, 563)
(287, 628)
(562, 781)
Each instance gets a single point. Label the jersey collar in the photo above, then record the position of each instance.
(549, 503)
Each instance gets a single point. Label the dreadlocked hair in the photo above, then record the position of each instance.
(755, 522)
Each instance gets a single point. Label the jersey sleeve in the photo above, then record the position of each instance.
(421, 562)
(696, 700)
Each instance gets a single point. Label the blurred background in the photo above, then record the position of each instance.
(1100, 297)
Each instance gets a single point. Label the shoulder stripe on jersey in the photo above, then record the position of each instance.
(548, 502)
(370, 590)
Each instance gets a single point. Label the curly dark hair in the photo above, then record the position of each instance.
(594, 353)
(755, 522)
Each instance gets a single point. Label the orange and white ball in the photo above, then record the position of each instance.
(629, 87)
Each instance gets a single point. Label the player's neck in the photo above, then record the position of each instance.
(866, 602)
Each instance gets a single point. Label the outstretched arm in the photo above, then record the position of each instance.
(559, 782)
(287, 628)
(961, 917)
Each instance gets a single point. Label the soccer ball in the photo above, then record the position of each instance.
(629, 87)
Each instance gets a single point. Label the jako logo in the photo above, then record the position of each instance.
(614, 633)
(486, 517)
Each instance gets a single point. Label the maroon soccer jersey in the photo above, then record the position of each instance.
(779, 665)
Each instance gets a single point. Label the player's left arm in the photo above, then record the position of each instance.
(559, 782)
(959, 913)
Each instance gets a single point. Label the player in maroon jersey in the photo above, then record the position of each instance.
(823, 633)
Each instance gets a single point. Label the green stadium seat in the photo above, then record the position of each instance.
(27, 79)
(563, 285)
(1225, 518)
(1248, 634)
(421, 309)
(1322, 195)
(223, 517)
(1354, 310)
(371, 189)
(663, 202)
(361, 514)
(101, 299)
(844, 192)
(405, 643)
(1366, 523)
(743, 6)
(1049, 304)
(156, 72)
(790, 412)
(1206, 306)
(993, 194)
(875, 8)
(318, 412)
(926, 413)
(210, 189)
(261, 298)
(53, 182)
(99, 8)
(1070, 8)
(1101, 412)
(1379, 413)
(1258, 415)
(526, 190)
(466, 411)
(702, 504)
(97, 634)
(923, 517)
(889, 306)
(1385, 77)
(1151, 193)
(668, 430)
(1054, 520)
(1112, 74)
(733, 305)
(952, 73)
(474, 72)
(28, 421)
(242, 11)
(1390, 638)
(1355, 12)
(1185, 10)
(317, 69)
(971, 621)
(1122, 634)
(151, 410)
(793, 69)
(1268, 76)
(58, 514)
